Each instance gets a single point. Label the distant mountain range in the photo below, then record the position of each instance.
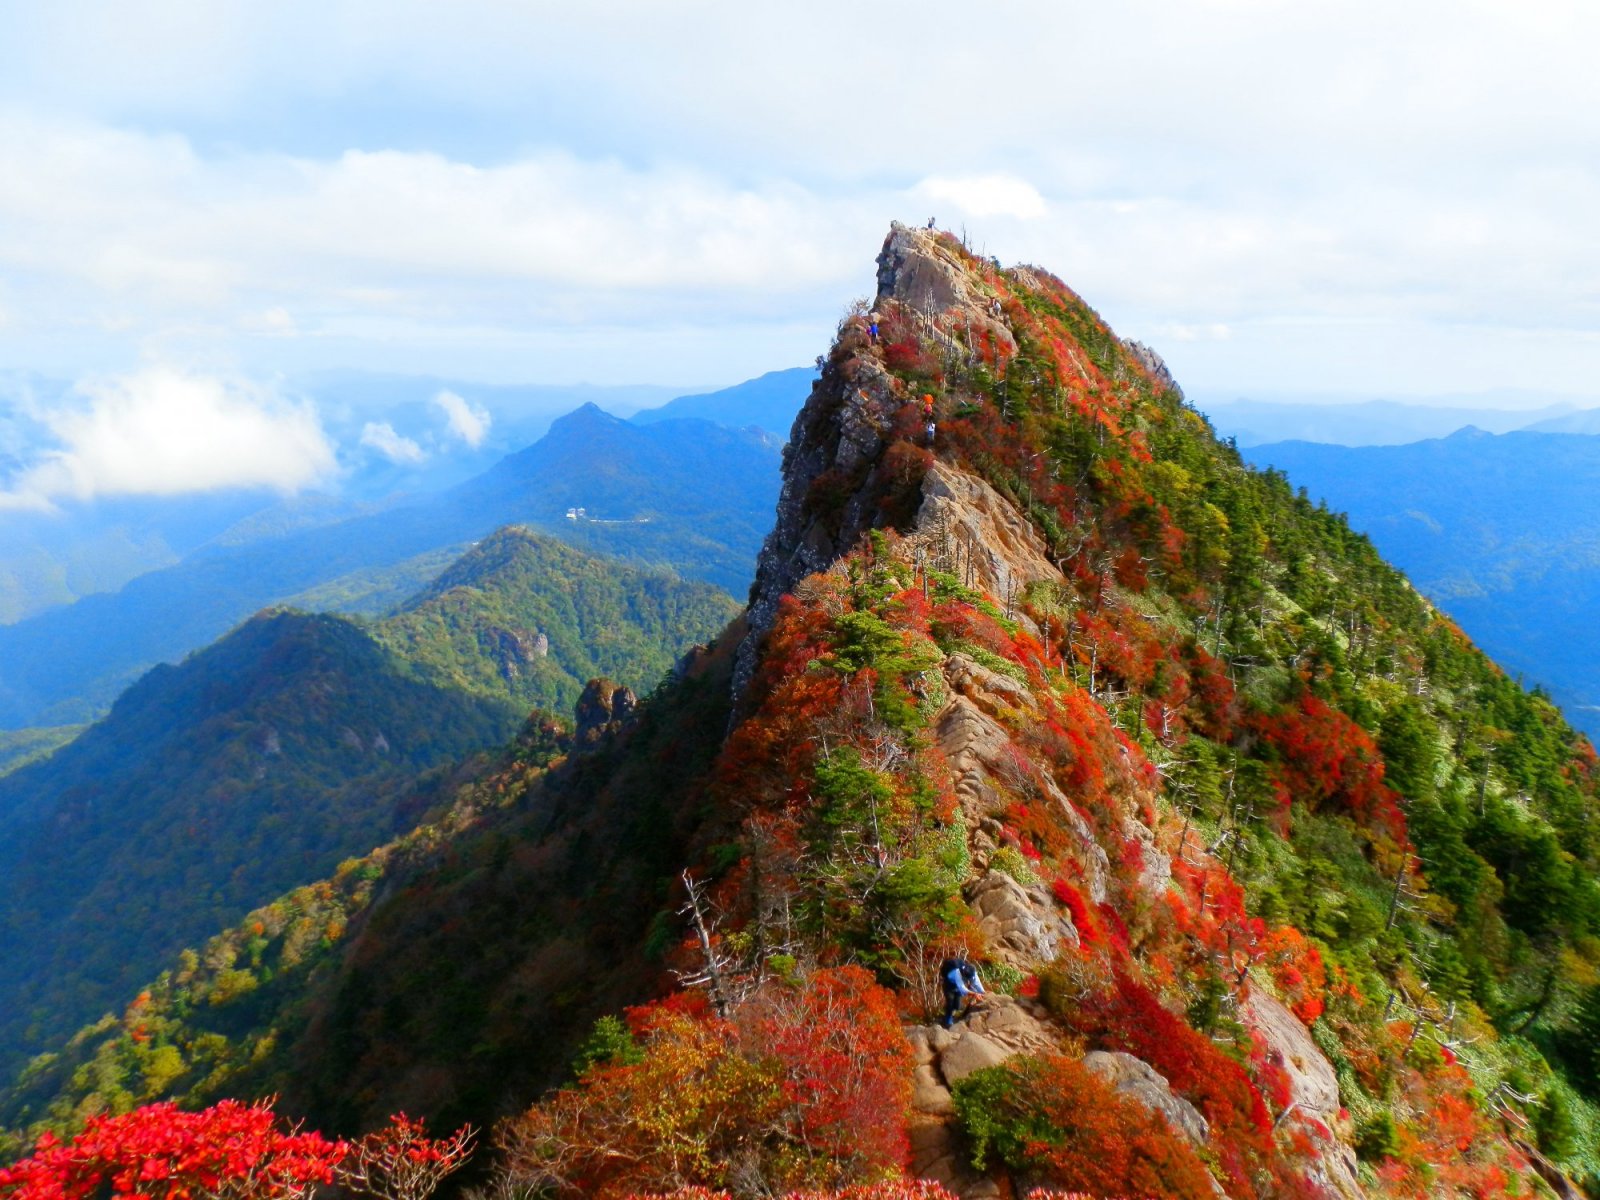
(1502, 530)
(394, 446)
(769, 402)
(296, 741)
(685, 493)
(1377, 422)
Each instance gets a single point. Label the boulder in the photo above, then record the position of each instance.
(1138, 1080)
(971, 1052)
(604, 707)
(988, 689)
(929, 1093)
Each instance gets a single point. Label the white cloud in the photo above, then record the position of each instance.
(160, 431)
(1182, 163)
(396, 447)
(985, 195)
(1214, 332)
(469, 422)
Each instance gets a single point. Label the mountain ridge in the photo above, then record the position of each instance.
(294, 742)
(1280, 887)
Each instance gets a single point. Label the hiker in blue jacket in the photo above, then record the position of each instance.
(960, 981)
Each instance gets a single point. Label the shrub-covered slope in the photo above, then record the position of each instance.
(1500, 530)
(1279, 885)
(261, 762)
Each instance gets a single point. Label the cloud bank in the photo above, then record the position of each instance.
(1396, 195)
(163, 432)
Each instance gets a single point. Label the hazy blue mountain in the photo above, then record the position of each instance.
(84, 548)
(1586, 420)
(517, 415)
(52, 558)
(1502, 530)
(769, 402)
(681, 493)
(1363, 423)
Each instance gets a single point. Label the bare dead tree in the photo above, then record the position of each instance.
(717, 969)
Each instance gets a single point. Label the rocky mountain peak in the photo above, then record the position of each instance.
(934, 303)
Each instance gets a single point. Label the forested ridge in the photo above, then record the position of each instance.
(297, 741)
(1280, 886)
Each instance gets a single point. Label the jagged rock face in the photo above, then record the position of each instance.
(1154, 364)
(516, 650)
(986, 722)
(842, 430)
(979, 751)
(1019, 923)
(979, 534)
(604, 707)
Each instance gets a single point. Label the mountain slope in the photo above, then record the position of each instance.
(686, 494)
(1280, 886)
(1500, 530)
(527, 617)
(289, 745)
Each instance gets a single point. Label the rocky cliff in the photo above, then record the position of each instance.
(1134, 697)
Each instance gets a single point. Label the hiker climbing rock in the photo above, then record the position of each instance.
(927, 415)
(960, 981)
(872, 328)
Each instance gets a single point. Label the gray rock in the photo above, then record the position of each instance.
(929, 1093)
(1313, 1085)
(1138, 1080)
(1011, 918)
(911, 271)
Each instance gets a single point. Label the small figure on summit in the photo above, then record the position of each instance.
(960, 981)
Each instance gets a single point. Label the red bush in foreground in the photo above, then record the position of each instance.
(230, 1151)
(163, 1153)
(801, 1086)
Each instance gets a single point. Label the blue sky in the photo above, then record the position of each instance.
(1365, 199)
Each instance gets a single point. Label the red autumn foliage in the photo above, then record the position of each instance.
(802, 1086)
(897, 1189)
(401, 1162)
(1298, 971)
(163, 1153)
(1325, 757)
(1130, 1017)
(1081, 1135)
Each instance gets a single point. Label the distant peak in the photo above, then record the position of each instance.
(1470, 431)
(586, 415)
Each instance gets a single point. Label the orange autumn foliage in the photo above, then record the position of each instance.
(801, 1086)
